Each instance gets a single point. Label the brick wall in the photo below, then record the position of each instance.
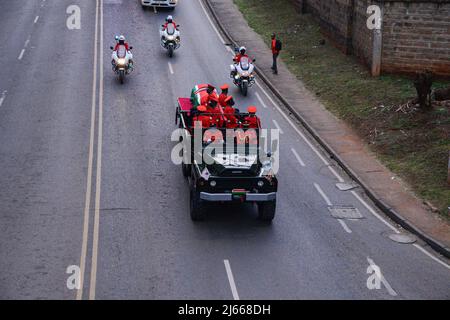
(415, 34)
(362, 37)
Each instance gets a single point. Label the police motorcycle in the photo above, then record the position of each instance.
(242, 73)
(170, 36)
(122, 59)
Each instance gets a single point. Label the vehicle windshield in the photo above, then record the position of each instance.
(121, 51)
(245, 63)
(170, 29)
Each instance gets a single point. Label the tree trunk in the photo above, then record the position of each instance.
(423, 83)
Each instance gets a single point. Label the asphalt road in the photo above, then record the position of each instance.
(86, 177)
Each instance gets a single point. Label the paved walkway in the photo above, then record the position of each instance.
(338, 135)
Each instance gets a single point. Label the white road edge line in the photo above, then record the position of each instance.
(298, 157)
(277, 125)
(212, 24)
(365, 204)
(431, 256)
(87, 203)
(170, 68)
(3, 97)
(260, 100)
(36, 19)
(382, 279)
(95, 236)
(231, 279)
(21, 54)
(325, 161)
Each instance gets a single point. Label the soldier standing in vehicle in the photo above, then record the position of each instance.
(223, 95)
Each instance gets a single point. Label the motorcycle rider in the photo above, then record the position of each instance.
(252, 121)
(242, 53)
(169, 20)
(237, 59)
(121, 41)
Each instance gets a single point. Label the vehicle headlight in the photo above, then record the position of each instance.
(171, 38)
(121, 62)
(245, 74)
(260, 183)
(213, 183)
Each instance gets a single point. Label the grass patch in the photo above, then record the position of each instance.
(413, 144)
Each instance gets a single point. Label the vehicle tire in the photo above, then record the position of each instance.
(186, 168)
(244, 88)
(121, 76)
(170, 49)
(266, 210)
(196, 206)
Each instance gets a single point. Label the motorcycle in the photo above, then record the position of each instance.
(242, 74)
(170, 38)
(121, 62)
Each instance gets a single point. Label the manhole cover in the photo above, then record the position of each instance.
(402, 238)
(345, 186)
(345, 212)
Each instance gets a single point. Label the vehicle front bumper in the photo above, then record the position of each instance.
(248, 197)
(153, 3)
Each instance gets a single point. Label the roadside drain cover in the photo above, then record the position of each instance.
(402, 238)
(345, 186)
(345, 212)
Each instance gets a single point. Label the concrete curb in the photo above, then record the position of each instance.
(395, 216)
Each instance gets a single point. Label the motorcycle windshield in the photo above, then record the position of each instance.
(245, 63)
(121, 52)
(170, 29)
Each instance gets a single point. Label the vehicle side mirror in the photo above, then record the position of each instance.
(254, 59)
(112, 48)
(162, 25)
(269, 154)
(178, 25)
(131, 48)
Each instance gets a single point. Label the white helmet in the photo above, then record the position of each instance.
(242, 49)
(169, 19)
(122, 38)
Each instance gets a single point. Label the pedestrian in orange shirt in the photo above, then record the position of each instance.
(276, 48)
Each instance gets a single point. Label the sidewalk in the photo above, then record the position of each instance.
(388, 190)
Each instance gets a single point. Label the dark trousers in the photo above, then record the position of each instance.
(274, 65)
